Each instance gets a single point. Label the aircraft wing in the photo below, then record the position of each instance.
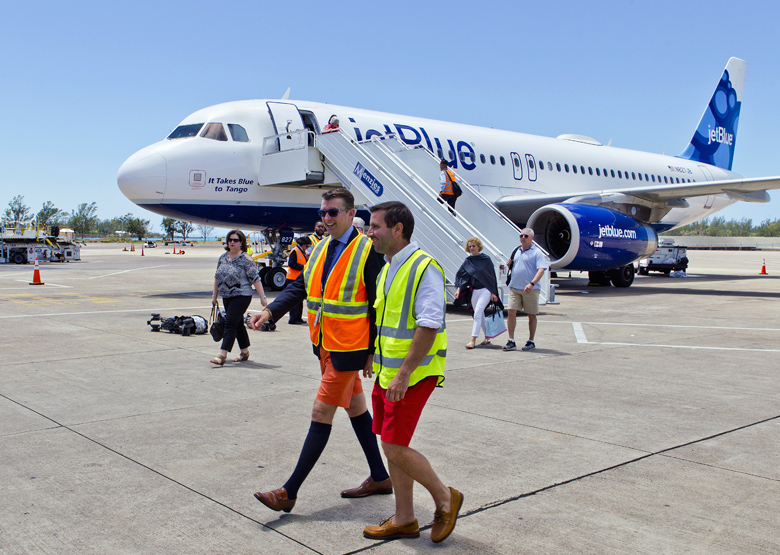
(520, 207)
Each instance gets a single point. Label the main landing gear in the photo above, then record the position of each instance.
(619, 277)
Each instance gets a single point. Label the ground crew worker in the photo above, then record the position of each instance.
(411, 346)
(446, 179)
(318, 235)
(295, 264)
(339, 285)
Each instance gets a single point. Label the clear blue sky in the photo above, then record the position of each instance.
(86, 84)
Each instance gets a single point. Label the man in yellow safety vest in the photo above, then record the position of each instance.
(411, 347)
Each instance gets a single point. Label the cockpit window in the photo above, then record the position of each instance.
(214, 131)
(184, 131)
(238, 133)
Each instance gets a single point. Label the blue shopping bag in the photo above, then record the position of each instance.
(494, 322)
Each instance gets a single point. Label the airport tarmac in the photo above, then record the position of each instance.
(646, 421)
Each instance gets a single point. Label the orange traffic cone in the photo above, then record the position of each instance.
(124, 249)
(763, 268)
(132, 247)
(174, 249)
(37, 274)
(142, 250)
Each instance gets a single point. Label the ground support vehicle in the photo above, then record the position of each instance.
(667, 258)
(23, 242)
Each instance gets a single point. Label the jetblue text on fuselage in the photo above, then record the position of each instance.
(720, 135)
(419, 136)
(611, 231)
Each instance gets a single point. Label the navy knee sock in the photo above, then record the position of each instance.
(315, 443)
(367, 438)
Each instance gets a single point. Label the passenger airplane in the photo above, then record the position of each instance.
(593, 207)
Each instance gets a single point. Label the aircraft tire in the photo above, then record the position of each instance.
(623, 276)
(598, 277)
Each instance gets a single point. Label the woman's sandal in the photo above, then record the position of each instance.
(219, 360)
(470, 345)
(485, 342)
(242, 357)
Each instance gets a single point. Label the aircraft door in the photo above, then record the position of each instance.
(517, 165)
(529, 159)
(287, 119)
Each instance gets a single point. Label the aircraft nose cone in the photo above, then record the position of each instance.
(143, 176)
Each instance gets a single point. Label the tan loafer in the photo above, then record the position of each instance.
(276, 500)
(369, 487)
(387, 531)
(444, 523)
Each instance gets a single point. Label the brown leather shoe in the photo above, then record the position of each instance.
(276, 500)
(387, 531)
(444, 523)
(369, 487)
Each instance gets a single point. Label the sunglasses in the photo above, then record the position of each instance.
(524, 236)
(234, 240)
(333, 212)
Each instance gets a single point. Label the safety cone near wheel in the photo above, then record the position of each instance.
(36, 274)
(763, 268)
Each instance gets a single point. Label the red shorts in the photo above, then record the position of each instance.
(395, 422)
(337, 388)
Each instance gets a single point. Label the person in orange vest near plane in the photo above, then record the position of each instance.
(295, 264)
(338, 283)
(447, 178)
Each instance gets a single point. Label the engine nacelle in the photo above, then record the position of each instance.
(590, 238)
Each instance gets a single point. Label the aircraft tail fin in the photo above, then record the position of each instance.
(715, 137)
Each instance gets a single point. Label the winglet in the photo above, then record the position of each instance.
(286, 94)
(715, 137)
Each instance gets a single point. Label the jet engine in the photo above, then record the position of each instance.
(593, 239)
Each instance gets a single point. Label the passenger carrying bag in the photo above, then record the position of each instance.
(494, 322)
(217, 323)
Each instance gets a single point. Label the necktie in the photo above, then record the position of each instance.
(328, 261)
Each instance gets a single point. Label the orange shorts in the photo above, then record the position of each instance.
(337, 388)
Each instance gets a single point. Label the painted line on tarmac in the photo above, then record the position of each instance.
(125, 271)
(662, 325)
(579, 333)
(150, 310)
(49, 284)
(13, 274)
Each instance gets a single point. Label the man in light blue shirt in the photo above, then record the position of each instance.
(527, 265)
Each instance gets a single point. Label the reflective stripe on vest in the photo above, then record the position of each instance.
(315, 239)
(450, 177)
(339, 318)
(300, 258)
(396, 323)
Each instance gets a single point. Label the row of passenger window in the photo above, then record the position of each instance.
(213, 130)
(620, 174)
(612, 173)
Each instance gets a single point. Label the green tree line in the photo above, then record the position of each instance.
(719, 227)
(84, 221)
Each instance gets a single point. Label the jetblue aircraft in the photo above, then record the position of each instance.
(593, 207)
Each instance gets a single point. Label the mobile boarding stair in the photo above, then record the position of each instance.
(384, 168)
